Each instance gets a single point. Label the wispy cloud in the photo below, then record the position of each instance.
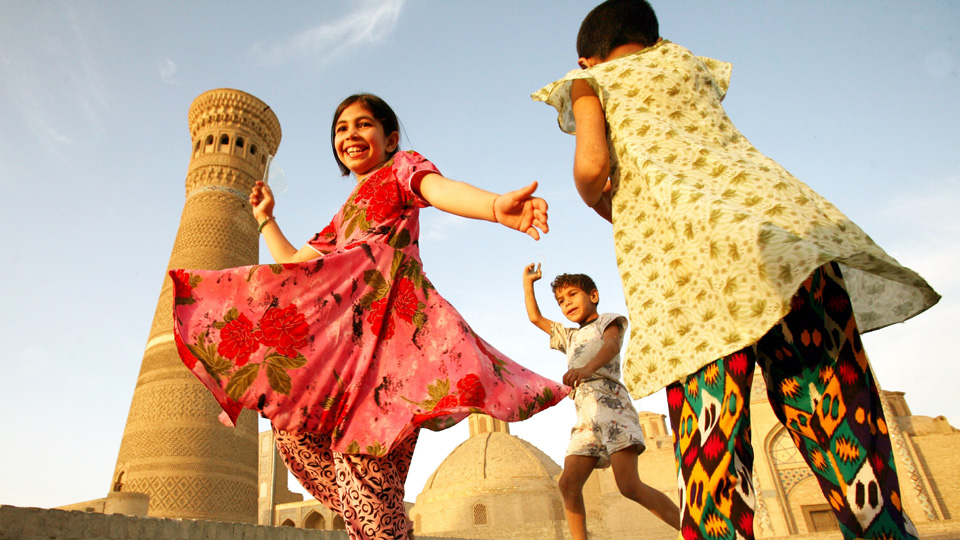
(368, 22)
(168, 70)
(58, 89)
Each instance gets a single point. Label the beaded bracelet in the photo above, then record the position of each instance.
(264, 224)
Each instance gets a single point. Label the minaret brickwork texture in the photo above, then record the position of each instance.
(174, 448)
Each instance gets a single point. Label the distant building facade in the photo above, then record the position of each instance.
(498, 486)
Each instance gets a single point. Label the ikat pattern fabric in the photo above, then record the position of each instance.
(712, 237)
(821, 387)
(356, 344)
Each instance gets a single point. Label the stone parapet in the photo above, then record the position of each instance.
(32, 523)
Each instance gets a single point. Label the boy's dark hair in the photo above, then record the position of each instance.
(381, 111)
(615, 23)
(580, 281)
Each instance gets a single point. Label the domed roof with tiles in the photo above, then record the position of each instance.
(489, 461)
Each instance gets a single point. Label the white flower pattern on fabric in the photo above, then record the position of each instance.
(607, 421)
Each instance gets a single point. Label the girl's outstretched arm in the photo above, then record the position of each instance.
(591, 161)
(261, 198)
(517, 209)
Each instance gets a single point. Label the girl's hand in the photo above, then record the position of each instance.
(262, 201)
(531, 273)
(522, 212)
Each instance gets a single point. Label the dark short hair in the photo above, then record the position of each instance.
(580, 281)
(380, 110)
(615, 23)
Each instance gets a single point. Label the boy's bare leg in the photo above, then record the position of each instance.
(624, 463)
(576, 470)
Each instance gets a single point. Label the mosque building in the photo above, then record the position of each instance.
(497, 486)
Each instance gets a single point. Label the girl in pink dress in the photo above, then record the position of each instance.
(344, 344)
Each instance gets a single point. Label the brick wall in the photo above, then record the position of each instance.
(33, 523)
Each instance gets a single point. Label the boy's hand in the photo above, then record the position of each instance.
(575, 376)
(531, 273)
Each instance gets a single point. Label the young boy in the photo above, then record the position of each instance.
(729, 261)
(607, 431)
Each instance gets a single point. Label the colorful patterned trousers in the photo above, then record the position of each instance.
(822, 389)
(367, 491)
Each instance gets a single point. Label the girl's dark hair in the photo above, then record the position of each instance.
(615, 23)
(380, 110)
(580, 281)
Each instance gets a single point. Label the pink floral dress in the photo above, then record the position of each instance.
(356, 343)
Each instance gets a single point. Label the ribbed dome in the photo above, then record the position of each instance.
(491, 462)
(494, 485)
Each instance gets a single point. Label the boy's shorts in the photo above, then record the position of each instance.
(607, 422)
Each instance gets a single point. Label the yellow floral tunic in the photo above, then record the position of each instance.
(712, 237)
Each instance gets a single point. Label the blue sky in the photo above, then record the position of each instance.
(858, 99)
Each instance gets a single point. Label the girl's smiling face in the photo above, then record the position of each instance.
(360, 140)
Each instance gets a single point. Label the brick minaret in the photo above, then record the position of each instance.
(174, 449)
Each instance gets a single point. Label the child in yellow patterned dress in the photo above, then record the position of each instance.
(725, 257)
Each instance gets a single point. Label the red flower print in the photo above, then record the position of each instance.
(237, 340)
(368, 188)
(382, 203)
(328, 233)
(181, 285)
(378, 312)
(446, 402)
(188, 358)
(406, 301)
(471, 391)
(442, 408)
(284, 329)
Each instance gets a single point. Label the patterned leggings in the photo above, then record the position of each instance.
(821, 388)
(367, 491)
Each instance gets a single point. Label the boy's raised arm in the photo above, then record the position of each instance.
(531, 273)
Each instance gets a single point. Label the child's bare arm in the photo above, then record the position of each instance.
(262, 201)
(591, 163)
(611, 345)
(518, 209)
(530, 275)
